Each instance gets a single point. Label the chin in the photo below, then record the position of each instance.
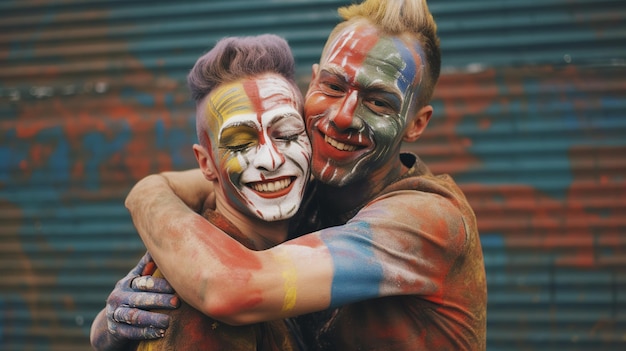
(278, 215)
(335, 180)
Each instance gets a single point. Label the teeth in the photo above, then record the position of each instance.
(272, 186)
(339, 145)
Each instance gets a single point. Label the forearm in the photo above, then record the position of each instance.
(192, 188)
(219, 276)
(186, 247)
(154, 207)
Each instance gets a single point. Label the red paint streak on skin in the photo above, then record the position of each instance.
(312, 241)
(248, 301)
(252, 90)
(261, 106)
(149, 268)
(230, 253)
(240, 262)
(363, 43)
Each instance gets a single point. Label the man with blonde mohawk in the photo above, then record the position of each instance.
(393, 259)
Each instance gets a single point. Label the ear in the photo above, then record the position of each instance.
(416, 126)
(315, 68)
(205, 162)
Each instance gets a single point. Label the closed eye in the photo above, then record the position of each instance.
(236, 148)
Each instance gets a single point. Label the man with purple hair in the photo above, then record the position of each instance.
(255, 154)
(392, 260)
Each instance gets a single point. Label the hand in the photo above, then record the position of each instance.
(127, 309)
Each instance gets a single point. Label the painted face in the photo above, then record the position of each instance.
(357, 104)
(260, 147)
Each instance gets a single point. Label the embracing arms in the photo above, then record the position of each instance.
(397, 245)
(217, 275)
(402, 243)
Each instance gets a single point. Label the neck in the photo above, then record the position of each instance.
(264, 234)
(356, 194)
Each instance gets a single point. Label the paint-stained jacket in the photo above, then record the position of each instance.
(422, 236)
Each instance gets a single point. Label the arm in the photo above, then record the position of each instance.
(192, 188)
(217, 275)
(373, 255)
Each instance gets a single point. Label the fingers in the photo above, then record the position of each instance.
(131, 332)
(148, 301)
(140, 318)
(139, 268)
(151, 284)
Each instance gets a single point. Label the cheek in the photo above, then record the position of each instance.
(295, 151)
(232, 167)
(315, 104)
(385, 130)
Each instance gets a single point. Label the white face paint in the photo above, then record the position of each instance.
(263, 152)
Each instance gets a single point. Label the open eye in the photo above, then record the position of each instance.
(382, 103)
(331, 85)
(334, 87)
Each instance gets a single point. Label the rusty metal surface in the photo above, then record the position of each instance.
(530, 119)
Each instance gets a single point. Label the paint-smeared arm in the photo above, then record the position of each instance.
(217, 275)
(385, 250)
(192, 188)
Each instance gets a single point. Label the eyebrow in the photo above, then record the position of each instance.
(381, 87)
(337, 71)
(285, 116)
(373, 87)
(249, 124)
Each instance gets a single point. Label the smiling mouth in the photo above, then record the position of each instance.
(339, 145)
(271, 186)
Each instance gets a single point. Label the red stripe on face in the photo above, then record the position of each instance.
(351, 48)
(252, 90)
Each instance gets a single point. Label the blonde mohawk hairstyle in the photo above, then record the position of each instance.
(395, 17)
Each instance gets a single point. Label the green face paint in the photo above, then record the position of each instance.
(358, 105)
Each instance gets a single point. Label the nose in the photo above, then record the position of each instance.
(345, 115)
(268, 157)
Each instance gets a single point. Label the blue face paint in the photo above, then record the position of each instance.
(414, 65)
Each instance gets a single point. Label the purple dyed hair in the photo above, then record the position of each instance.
(234, 58)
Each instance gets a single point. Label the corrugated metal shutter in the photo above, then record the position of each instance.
(529, 118)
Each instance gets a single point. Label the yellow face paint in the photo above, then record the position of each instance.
(224, 102)
(259, 145)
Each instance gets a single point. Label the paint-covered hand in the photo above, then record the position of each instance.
(128, 305)
(126, 316)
